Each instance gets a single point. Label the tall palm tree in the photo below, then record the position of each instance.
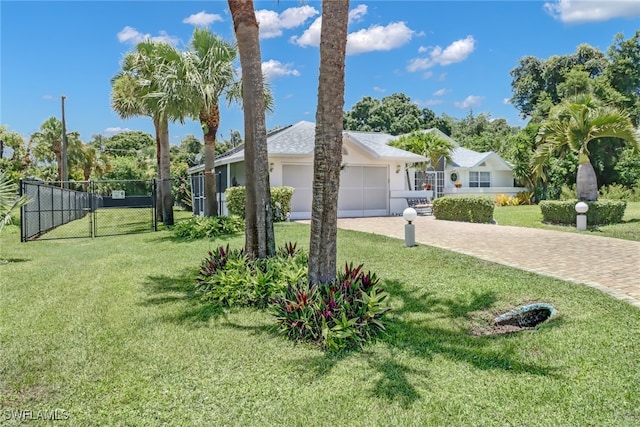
(48, 143)
(328, 142)
(213, 76)
(579, 122)
(152, 83)
(259, 233)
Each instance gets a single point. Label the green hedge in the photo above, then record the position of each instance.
(465, 208)
(280, 201)
(601, 212)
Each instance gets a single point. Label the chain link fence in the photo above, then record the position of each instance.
(77, 209)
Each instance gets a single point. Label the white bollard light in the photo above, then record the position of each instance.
(409, 215)
(581, 219)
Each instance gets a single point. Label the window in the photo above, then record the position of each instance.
(480, 179)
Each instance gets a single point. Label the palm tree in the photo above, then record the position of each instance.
(152, 83)
(259, 233)
(48, 142)
(213, 76)
(575, 125)
(328, 142)
(93, 162)
(9, 200)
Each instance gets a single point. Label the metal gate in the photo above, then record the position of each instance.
(75, 209)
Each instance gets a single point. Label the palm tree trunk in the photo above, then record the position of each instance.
(165, 173)
(328, 142)
(259, 234)
(210, 121)
(586, 181)
(156, 125)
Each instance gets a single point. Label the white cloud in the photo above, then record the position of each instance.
(506, 101)
(579, 11)
(379, 89)
(422, 49)
(427, 75)
(440, 92)
(374, 38)
(457, 51)
(272, 23)
(273, 69)
(311, 36)
(202, 19)
(355, 15)
(47, 97)
(131, 35)
(431, 102)
(469, 102)
(379, 38)
(114, 130)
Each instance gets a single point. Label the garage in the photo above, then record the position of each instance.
(363, 190)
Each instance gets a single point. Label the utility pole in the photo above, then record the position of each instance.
(1, 149)
(63, 167)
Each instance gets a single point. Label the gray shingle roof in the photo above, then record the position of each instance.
(299, 140)
(377, 145)
(465, 158)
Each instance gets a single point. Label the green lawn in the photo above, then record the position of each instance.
(111, 331)
(530, 216)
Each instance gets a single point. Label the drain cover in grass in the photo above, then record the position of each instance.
(526, 316)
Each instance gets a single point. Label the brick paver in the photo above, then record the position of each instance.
(611, 265)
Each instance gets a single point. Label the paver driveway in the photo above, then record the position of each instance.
(611, 265)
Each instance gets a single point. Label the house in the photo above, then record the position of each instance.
(375, 180)
(470, 173)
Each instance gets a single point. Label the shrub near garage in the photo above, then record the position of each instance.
(601, 212)
(466, 208)
(280, 201)
(201, 227)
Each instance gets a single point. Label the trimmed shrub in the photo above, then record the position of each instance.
(601, 212)
(280, 201)
(201, 227)
(227, 277)
(338, 315)
(465, 208)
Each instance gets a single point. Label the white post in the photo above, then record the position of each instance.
(409, 215)
(581, 219)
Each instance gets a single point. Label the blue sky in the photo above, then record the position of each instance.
(450, 56)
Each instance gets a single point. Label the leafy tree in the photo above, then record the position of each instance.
(15, 157)
(624, 72)
(259, 233)
(127, 143)
(579, 125)
(328, 142)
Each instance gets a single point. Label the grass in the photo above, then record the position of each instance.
(105, 222)
(530, 216)
(112, 331)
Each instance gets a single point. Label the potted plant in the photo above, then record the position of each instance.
(458, 184)
(426, 186)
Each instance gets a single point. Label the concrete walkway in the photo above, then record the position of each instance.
(610, 265)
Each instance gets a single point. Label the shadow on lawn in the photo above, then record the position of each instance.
(428, 328)
(180, 291)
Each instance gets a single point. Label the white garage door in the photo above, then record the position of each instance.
(363, 190)
(299, 177)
